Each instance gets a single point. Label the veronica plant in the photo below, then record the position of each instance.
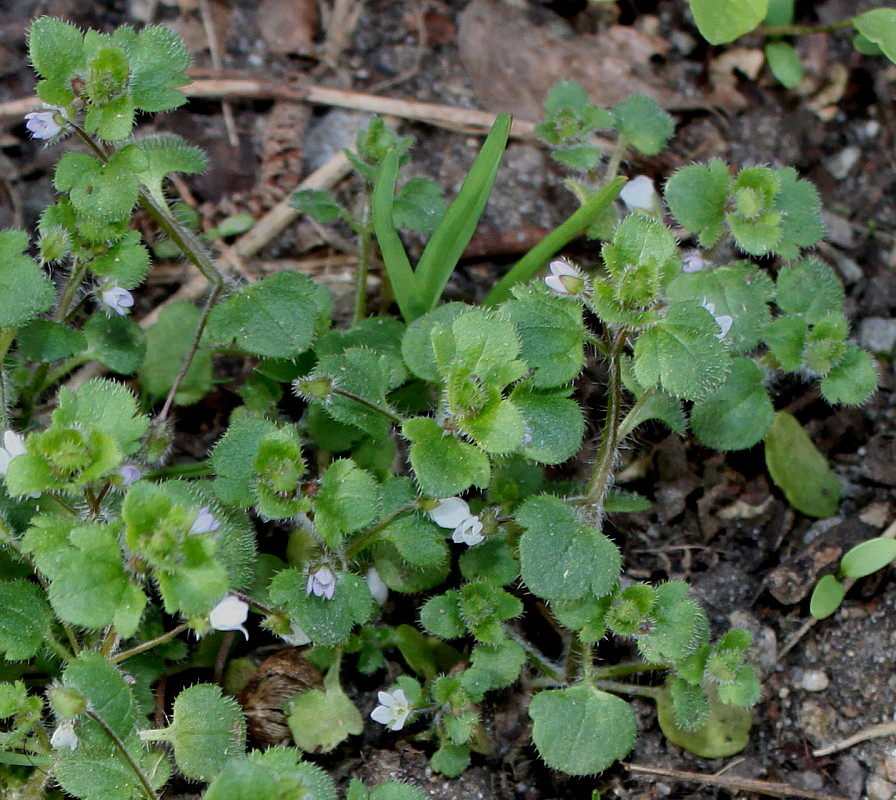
(110, 556)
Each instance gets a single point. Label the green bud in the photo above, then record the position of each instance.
(107, 76)
(67, 703)
(54, 245)
(157, 445)
(314, 389)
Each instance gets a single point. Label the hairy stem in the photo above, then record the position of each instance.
(390, 415)
(145, 785)
(801, 30)
(6, 337)
(602, 475)
(149, 644)
(627, 688)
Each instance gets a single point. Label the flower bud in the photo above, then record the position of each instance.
(67, 703)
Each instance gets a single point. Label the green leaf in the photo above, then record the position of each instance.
(800, 208)
(484, 606)
(454, 232)
(809, 288)
(208, 731)
(738, 414)
(494, 666)
(25, 620)
(327, 622)
(158, 58)
(126, 262)
(92, 589)
(167, 343)
(786, 339)
(780, 12)
(740, 290)
(440, 616)
(105, 191)
(451, 760)
(554, 424)
(799, 469)
(348, 500)
(643, 124)
(784, 62)
(320, 721)
(393, 790)
(683, 353)
(868, 557)
(273, 774)
(551, 334)
(56, 50)
(106, 406)
(419, 205)
(721, 21)
(276, 317)
(166, 153)
(879, 27)
(443, 465)
(317, 204)
(696, 196)
(116, 342)
(45, 341)
(853, 380)
(581, 156)
(233, 459)
(725, 732)
(826, 597)
(105, 690)
(560, 557)
(416, 344)
(581, 730)
(418, 541)
(25, 289)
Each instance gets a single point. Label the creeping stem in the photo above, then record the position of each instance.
(145, 785)
(602, 475)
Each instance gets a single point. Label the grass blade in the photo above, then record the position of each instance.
(564, 233)
(451, 238)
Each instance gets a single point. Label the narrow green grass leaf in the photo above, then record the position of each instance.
(564, 233)
(451, 238)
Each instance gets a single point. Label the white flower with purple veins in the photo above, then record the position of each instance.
(393, 710)
(724, 321)
(13, 445)
(64, 736)
(639, 194)
(118, 300)
(454, 513)
(377, 586)
(565, 277)
(322, 583)
(43, 124)
(229, 615)
(693, 262)
(205, 522)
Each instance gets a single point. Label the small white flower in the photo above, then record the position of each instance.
(565, 277)
(229, 615)
(724, 321)
(205, 522)
(129, 474)
(639, 194)
(378, 589)
(453, 512)
(43, 124)
(13, 445)
(64, 736)
(393, 710)
(118, 300)
(322, 583)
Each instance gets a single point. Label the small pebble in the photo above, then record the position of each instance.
(879, 789)
(815, 680)
(878, 334)
(841, 164)
(890, 766)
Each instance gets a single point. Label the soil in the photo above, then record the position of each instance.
(717, 521)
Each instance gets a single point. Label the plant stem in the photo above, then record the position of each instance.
(365, 538)
(630, 420)
(6, 337)
(627, 688)
(148, 645)
(145, 785)
(602, 475)
(365, 251)
(548, 667)
(801, 30)
(616, 158)
(391, 415)
(630, 668)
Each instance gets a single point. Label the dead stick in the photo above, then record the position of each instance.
(770, 788)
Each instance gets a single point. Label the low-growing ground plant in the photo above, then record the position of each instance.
(416, 468)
